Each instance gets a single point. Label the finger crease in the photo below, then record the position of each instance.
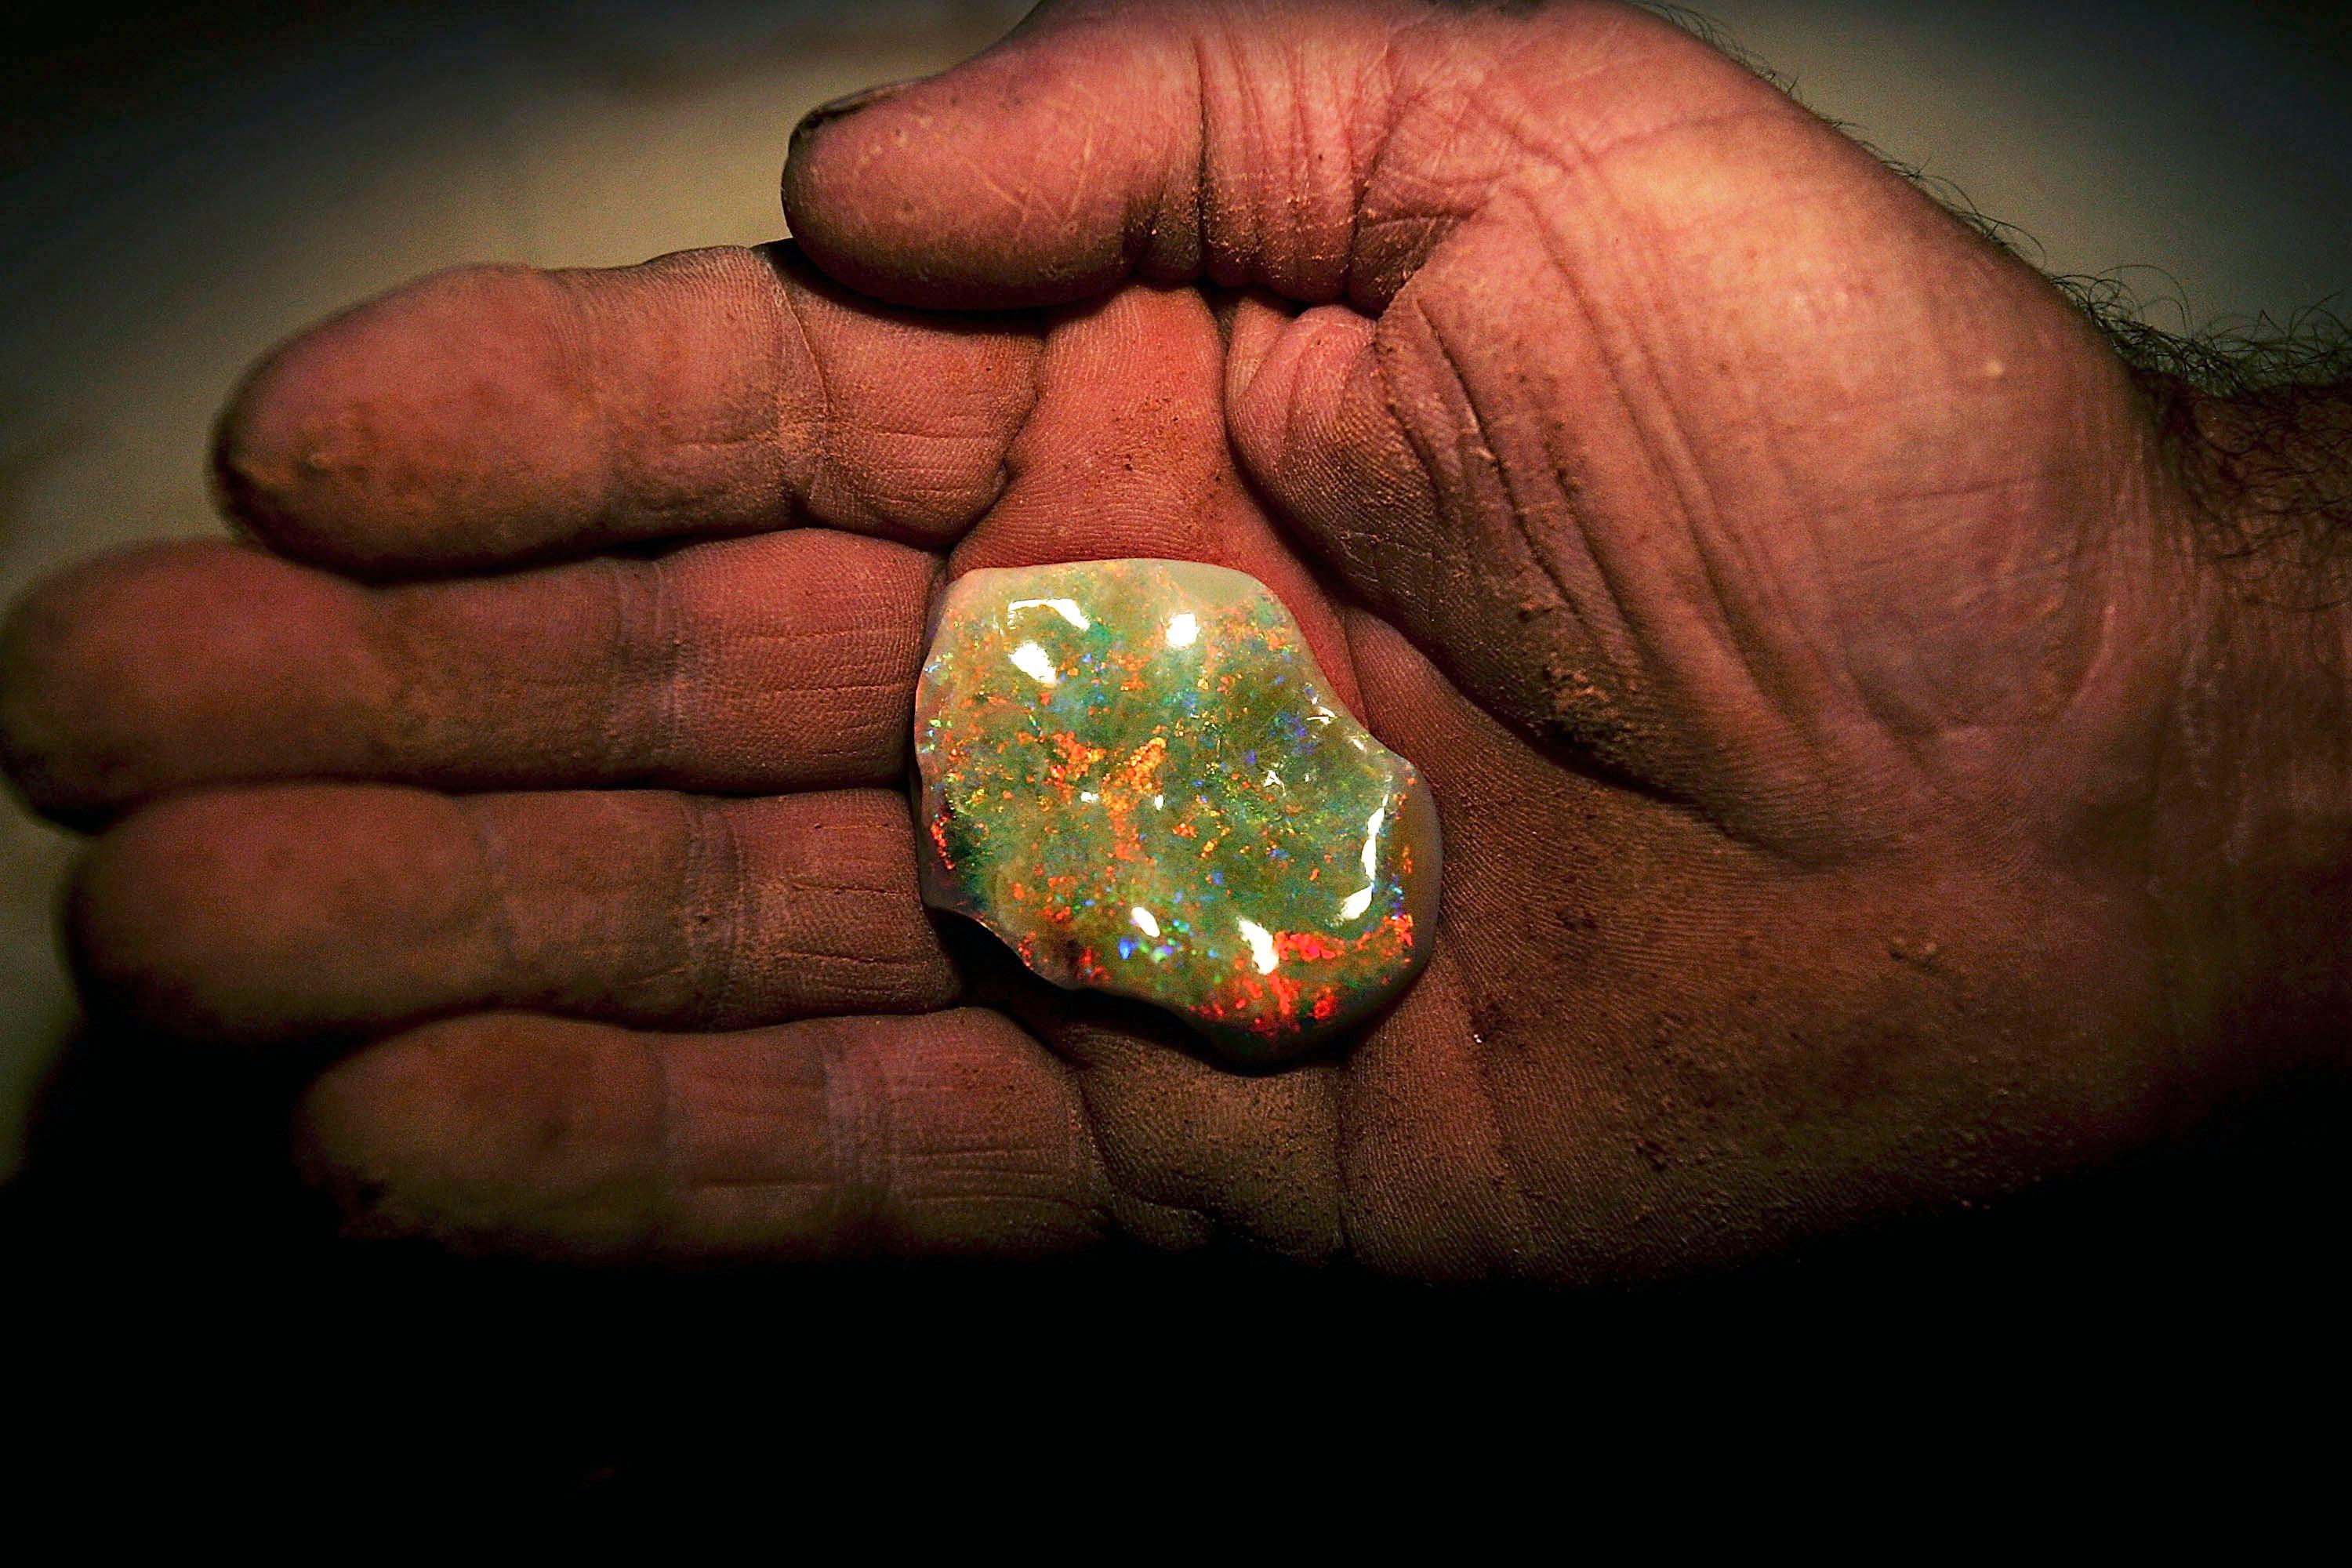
(718, 907)
(648, 677)
(860, 1140)
(497, 897)
(821, 440)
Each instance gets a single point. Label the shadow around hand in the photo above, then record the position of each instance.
(162, 1244)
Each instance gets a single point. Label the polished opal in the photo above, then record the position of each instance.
(1135, 774)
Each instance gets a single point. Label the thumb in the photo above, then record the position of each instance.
(1316, 150)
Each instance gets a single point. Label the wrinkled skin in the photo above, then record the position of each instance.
(1835, 732)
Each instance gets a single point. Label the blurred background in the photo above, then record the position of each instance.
(184, 186)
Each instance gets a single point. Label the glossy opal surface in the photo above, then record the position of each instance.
(1134, 773)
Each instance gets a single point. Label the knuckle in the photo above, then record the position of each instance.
(810, 904)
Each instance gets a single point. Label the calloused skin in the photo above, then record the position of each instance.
(1860, 795)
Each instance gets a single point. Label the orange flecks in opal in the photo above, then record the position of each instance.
(1140, 771)
(1077, 756)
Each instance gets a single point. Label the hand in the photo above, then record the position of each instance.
(1787, 595)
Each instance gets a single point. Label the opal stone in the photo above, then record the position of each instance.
(1134, 773)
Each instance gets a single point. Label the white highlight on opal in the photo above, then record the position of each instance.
(1183, 630)
(1030, 659)
(1145, 921)
(1065, 608)
(1356, 903)
(1261, 942)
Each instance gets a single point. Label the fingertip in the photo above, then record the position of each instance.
(1288, 384)
(504, 1132)
(225, 917)
(134, 910)
(90, 656)
(848, 104)
(365, 444)
(254, 461)
(1251, 322)
(173, 663)
(1314, 421)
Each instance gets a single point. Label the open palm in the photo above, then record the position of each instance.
(1773, 581)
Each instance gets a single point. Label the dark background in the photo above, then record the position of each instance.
(184, 185)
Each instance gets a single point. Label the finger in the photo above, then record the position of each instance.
(495, 414)
(950, 1133)
(1318, 150)
(268, 915)
(781, 662)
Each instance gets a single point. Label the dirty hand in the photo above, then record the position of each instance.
(1859, 792)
